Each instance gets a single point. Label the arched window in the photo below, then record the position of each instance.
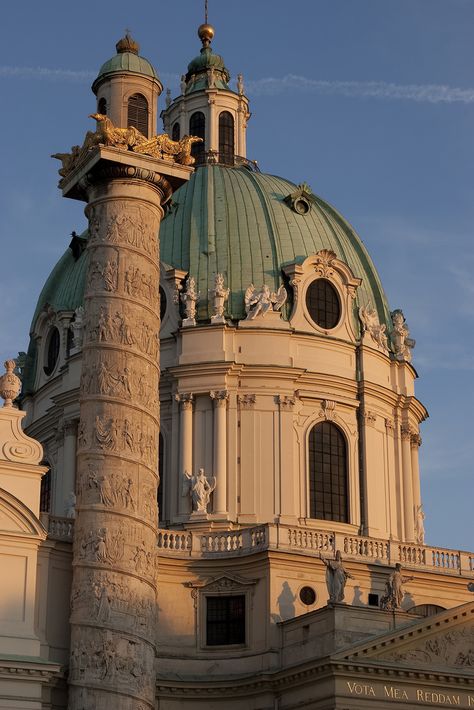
(328, 473)
(426, 609)
(138, 113)
(197, 127)
(322, 302)
(102, 106)
(176, 132)
(226, 138)
(45, 490)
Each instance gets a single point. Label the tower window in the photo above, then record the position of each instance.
(328, 473)
(322, 302)
(102, 106)
(138, 113)
(176, 132)
(225, 620)
(45, 491)
(197, 127)
(226, 138)
(52, 351)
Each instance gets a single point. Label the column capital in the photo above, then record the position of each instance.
(185, 399)
(285, 402)
(406, 432)
(415, 439)
(220, 397)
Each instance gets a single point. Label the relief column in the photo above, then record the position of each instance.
(113, 603)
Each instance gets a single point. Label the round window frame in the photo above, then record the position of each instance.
(342, 309)
(300, 590)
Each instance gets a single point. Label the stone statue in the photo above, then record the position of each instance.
(394, 592)
(336, 577)
(199, 487)
(371, 324)
(190, 297)
(240, 84)
(183, 84)
(260, 302)
(168, 98)
(420, 525)
(10, 384)
(219, 295)
(77, 327)
(402, 345)
(211, 78)
(71, 505)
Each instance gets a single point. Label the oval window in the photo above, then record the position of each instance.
(52, 352)
(162, 303)
(322, 302)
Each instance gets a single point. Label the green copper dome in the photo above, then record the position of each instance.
(236, 222)
(126, 61)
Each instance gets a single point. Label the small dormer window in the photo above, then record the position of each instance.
(138, 113)
(322, 302)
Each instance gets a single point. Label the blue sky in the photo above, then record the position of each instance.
(370, 101)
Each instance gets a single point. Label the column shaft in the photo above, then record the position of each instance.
(220, 450)
(408, 485)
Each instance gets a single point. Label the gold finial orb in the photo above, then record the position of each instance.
(206, 33)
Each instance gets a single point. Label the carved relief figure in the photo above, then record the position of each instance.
(402, 345)
(394, 592)
(371, 324)
(260, 302)
(189, 298)
(199, 487)
(71, 505)
(336, 577)
(219, 295)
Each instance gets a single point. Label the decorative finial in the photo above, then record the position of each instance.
(205, 31)
(10, 384)
(127, 44)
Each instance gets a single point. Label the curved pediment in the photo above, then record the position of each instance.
(15, 445)
(17, 519)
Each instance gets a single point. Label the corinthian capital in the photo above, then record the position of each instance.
(220, 397)
(185, 399)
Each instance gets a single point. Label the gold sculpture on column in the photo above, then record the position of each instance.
(107, 134)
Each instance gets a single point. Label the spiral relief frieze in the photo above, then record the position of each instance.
(113, 603)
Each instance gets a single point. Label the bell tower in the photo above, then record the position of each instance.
(207, 107)
(127, 88)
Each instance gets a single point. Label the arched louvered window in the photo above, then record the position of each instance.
(102, 106)
(226, 138)
(197, 127)
(52, 351)
(138, 113)
(176, 132)
(328, 473)
(45, 490)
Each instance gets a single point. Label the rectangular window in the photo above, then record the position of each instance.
(225, 620)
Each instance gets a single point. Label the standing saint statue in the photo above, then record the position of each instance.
(336, 577)
(394, 592)
(199, 487)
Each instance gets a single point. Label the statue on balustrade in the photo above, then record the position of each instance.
(336, 577)
(394, 592)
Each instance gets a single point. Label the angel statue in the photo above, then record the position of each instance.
(199, 487)
(260, 302)
(394, 591)
(372, 325)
